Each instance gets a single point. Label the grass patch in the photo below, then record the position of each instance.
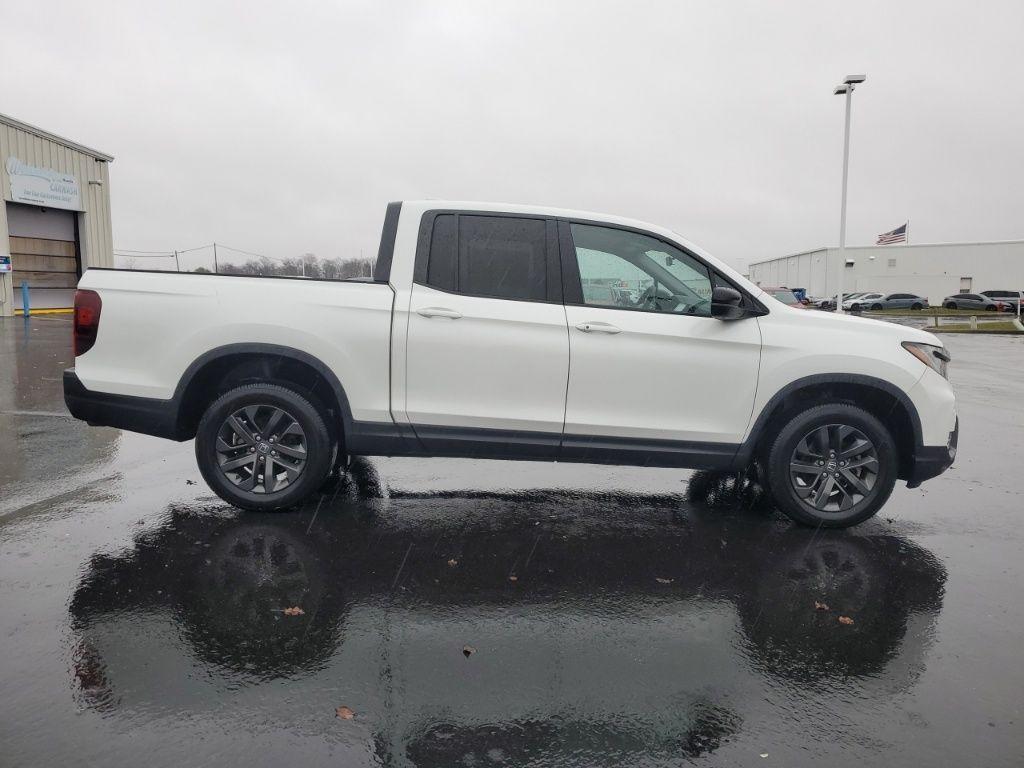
(934, 312)
(993, 327)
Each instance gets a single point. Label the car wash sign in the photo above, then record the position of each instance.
(41, 186)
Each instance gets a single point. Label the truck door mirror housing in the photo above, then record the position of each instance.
(726, 303)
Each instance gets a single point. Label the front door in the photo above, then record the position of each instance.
(650, 369)
(488, 348)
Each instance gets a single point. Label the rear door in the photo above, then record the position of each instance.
(651, 371)
(488, 347)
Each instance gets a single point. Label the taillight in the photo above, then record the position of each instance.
(87, 320)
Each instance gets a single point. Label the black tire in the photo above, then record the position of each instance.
(262, 400)
(855, 307)
(784, 483)
(990, 308)
(876, 306)
(917, 306)
(951, 305)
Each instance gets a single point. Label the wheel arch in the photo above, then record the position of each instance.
(223, 368)
(890, 404)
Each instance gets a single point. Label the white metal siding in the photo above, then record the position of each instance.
(94, 221)
(929, 270)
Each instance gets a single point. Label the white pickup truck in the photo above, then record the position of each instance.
(514, 332)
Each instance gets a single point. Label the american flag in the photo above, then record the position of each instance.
(898, 235)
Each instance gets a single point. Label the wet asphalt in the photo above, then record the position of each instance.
(475, 613)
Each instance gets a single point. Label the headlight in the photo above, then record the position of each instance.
(936, 358)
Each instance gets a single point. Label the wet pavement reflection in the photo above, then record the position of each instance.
(598, 637)
(491, 613)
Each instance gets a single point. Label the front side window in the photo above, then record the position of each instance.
(627, 270)
(493, 256)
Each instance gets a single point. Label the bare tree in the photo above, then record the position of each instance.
(307, 264)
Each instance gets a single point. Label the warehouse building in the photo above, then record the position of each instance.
(934, 270)
(54, 216)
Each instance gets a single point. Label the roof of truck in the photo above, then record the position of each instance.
(539, 210)
(569, 213)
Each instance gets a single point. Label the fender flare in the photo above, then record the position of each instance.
(746, 450)
(274, 350)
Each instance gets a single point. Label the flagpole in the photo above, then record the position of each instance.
(907, 241)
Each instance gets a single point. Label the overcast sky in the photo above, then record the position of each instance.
(284, 128)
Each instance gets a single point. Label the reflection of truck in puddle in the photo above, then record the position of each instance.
(638, 635)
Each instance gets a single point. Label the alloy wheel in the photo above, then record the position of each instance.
(261, 449)
(833, 467)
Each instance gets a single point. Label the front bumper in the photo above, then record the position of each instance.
(135, 414)
(932, 461)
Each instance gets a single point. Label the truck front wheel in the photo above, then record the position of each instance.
(263, 447)
(832, 466)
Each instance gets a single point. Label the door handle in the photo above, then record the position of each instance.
(439, 312)
(598, 328)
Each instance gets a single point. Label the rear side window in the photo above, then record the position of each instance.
(495, 256)
(441, 264)
(502, 257)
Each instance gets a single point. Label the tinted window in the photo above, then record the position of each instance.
(502, 257)
(441, 262)
(627, 270)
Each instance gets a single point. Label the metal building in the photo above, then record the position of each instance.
(934, 270)
(54, 215)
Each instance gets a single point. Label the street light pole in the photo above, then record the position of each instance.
(845, 89)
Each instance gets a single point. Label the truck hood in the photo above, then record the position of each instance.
(853, 323)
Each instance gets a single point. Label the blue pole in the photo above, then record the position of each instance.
(25, 309)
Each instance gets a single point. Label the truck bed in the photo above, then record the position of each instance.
(169, 320)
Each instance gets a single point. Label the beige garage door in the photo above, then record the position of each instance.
(44, 254)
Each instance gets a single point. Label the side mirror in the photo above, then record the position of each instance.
(725, 303)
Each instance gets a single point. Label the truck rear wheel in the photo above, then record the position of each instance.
(263, 447)
(832, 466)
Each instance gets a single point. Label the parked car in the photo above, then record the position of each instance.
(973, 301)
(1011, 299)
(786, 296)
(858, 302)
(460, 345)
(830, 302)
(891, 301)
